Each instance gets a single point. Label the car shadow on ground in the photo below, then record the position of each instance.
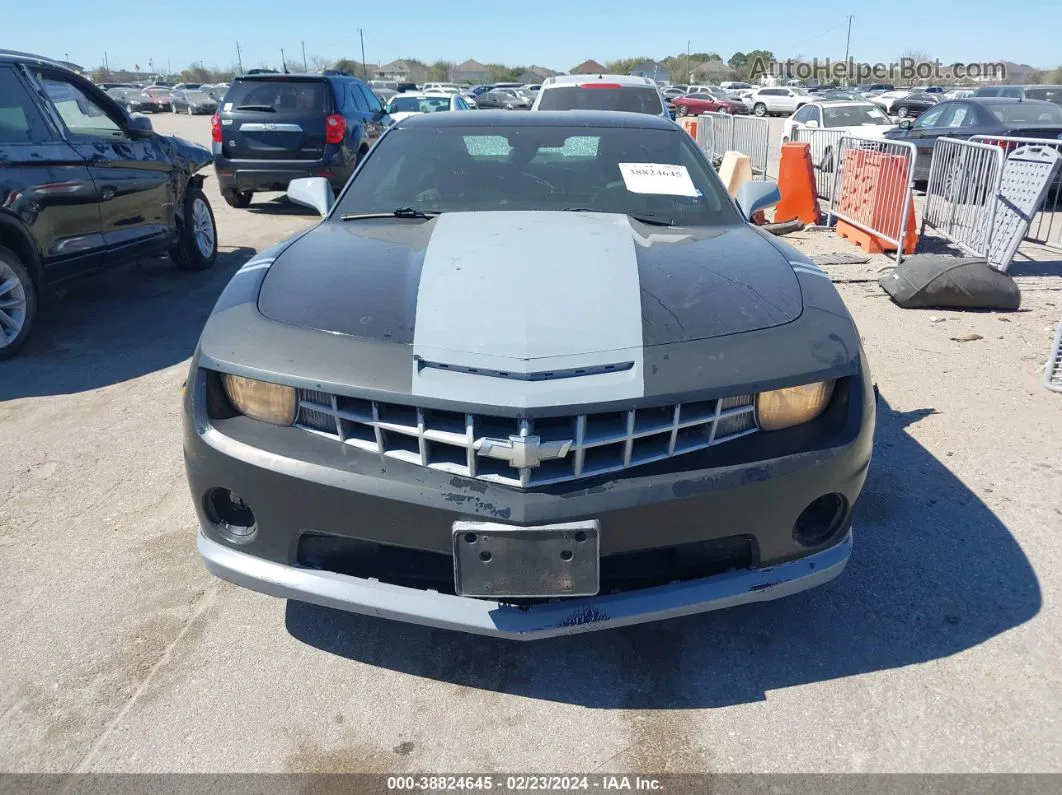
(118, 325)
(934, 573)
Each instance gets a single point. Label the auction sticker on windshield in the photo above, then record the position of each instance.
(657, 178)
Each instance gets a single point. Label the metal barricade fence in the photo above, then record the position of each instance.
(824, 147)
(719, 133)
(872, 190)
(1046, 226)
(961, 193)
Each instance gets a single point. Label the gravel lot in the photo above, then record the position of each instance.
(938, 650)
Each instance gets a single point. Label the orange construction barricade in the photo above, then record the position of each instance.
(796, 183)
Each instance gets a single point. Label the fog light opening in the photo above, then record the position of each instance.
(820, 520)
(227, 509)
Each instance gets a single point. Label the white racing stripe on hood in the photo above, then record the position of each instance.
(529, 292)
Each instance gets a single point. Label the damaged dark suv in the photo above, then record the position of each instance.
(84, 186)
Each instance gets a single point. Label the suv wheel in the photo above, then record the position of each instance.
(683, 110)
(18, 303)
(197, 243)
(240, 199)
(760, 109)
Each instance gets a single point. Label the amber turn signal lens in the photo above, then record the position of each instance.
(795, 405)
(260, 400)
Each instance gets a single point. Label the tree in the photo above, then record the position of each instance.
(757, 62)
(348, 66)
(1055, 77)
(624, 65)
(500, 73)
(737, 61)
(440, 71)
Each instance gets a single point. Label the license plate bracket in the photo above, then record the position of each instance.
(501, 561)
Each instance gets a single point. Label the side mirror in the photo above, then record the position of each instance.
(139, 124)
(757, 195)
(313, 192)
(811, 123)
(905, 124)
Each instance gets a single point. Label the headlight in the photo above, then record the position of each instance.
(260, 400)
(784, 408)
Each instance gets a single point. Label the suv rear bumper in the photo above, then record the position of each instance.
(263, 175)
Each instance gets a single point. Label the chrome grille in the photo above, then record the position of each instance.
(459, 443)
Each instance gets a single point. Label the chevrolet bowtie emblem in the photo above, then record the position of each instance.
(523, 451)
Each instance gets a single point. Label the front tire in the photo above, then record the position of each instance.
(683, 110)
(902, 112)
(18, 303)
(240, 199)
(197, 244)
(759, 110)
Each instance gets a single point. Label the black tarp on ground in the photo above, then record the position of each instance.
(941, 280)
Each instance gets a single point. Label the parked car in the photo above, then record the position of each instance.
(402, 106)
(861, 118)
(914, 104)
(601, 92)
(963, 118)
(85, 186)
(480, 89)
(707, 103)
(777, 101)
(384, 94)
(192, 101)
(875, 88)
(1048, 93)
(160, 97)
(216, 91)
(503, 457)
(958, 93)
(503, 99)
(402, 88)
(449, 88)
(275, 128)
(672, 92)
(734, 85)
(187, 86)
(828, 94)
(887, 99)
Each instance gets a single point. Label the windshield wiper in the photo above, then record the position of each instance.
(645, 219)
(401, 212)
(268, 108)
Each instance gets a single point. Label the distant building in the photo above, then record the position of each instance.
(712, 72)
(652, 70)
(402, 71)
(535, 74)
(588, 68)
(470, 72)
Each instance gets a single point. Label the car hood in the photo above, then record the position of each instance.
(405, 114)
(869, 130)
(470, 287)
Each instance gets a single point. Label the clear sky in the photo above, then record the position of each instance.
(551, 33)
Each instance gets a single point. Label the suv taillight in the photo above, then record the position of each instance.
(215, 128)
(335, 129)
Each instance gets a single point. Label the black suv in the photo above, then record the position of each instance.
(273, 128)
(83, 186)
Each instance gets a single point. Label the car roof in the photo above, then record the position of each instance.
(844, 103)
(1003, 101)
(29, 58)
(574, 80)
(545, 118)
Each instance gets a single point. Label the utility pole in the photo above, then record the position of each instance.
(847, 42)
(106, 66)
(283, 61)
(688, 77)
(239, 60)
(305, 68)
(361, 34)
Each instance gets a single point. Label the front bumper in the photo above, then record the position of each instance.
(484, 617)
(303, 486)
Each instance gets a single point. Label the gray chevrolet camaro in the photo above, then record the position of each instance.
(531, 375)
